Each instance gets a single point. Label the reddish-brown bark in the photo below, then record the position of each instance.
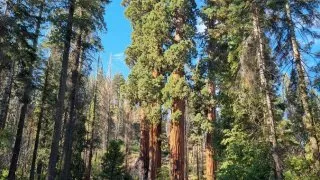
(155, 142)
(155, 150)
(176, 137)
(209, 149)
(144, 146)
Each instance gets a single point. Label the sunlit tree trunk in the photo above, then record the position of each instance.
(144, 146)
(266, 90)
(303, 90)
(176, 136)
(209, 149)
(155, 142)
(155, 149)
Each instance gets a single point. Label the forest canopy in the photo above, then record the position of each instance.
(217, 89)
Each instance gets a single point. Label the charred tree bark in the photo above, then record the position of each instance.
(303, 90)
(61, 95)
(261, 60)
(40, 118)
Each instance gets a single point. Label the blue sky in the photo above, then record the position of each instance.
(118, 38)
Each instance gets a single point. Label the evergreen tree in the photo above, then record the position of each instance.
(288, 14)
(31, 57)
(61, 95)
(112, 161)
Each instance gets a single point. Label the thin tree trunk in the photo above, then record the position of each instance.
(25, 100)
(176, 137)
(144, 146)
(303, 90)
(61, 95)
(209, 149)
(68, 139)
(266, 90)
(40, 118)
(89, 167)
(39, 170)
(197, 161)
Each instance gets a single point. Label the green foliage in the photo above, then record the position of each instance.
(175, 88)
(244, 158)
(164, 173)
(112, 162)
(4, 174)
(299, 168)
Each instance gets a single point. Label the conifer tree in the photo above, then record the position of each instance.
(177, 56)
(61, 95)
(40, 118)
(30, 58)
(286, 15)
(145, 55)
(88, 19)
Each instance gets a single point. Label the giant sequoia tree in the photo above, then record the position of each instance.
(177, 56)
(246, 107)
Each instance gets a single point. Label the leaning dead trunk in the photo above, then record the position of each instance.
(261, 60)
(61, 95)
(303, 90)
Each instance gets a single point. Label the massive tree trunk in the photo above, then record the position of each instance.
(261, 60)
(155, 142)
(303, 90)
(176, 136)
(144, 146)
(155, 149)
(209, 149)
(40, 118)
(61, 95)
(6, 97)
(25, 98)
(68, 139)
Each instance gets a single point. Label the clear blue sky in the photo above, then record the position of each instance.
(117, 38)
